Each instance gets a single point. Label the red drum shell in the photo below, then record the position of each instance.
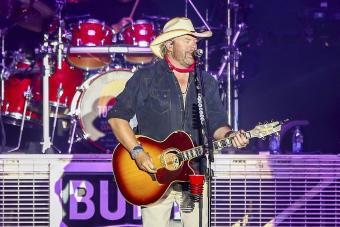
(68, 78)
(90, 33)
(141, 33)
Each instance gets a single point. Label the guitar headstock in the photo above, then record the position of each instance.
(263, 130)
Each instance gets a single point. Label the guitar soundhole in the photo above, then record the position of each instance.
(170, 160)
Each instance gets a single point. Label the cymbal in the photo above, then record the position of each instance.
(28, 14)
(5, 11)
(219, 27)
(155, 17)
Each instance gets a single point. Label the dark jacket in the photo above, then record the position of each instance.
(154, 95)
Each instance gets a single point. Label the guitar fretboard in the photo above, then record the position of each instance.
(198, 151)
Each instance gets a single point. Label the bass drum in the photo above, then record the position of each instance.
(91, 103)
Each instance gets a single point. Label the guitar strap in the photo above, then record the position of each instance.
(206, 139)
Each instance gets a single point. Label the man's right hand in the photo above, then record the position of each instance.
(144, 162)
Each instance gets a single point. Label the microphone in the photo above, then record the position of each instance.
(198, 53)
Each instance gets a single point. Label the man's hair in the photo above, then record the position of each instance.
(163, 48)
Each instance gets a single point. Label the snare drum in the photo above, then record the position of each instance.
(90, 33)
(140, 33)
(91, 103)
(63, 83)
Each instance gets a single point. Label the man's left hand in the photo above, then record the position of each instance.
(239, 140)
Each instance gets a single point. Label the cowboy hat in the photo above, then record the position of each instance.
(175, 27)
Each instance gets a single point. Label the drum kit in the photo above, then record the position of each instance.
(87, 65)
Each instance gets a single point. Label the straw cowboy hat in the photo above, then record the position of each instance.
(175, 27)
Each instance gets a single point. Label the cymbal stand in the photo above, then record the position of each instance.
(55, 117)
(230, 61)
(72, 133)
(46, 143)
(199, 15)
(3, 66)
(2, 85)
(60, 47)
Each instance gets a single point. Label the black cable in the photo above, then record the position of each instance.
(3, 133)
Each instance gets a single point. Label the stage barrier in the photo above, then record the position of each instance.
(247, 190)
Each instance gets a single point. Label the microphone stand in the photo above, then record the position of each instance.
(206, 138)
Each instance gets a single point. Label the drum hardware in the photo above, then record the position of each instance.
(119, 49)
(47, 145)
(14, 115)
(7, 106)
(72, 132)
(3, 65)
(28, 96)
(47, 51)
(73, 116)
(46, 142)
(59, 94)
(228, 86)
(60, 45)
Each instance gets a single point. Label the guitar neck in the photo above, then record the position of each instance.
(217, 144)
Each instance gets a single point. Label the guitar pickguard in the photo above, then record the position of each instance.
(170, 160)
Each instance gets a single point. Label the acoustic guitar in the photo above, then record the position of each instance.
(172, 160)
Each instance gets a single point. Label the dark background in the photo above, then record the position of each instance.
(290, 57)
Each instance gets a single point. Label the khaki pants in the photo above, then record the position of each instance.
(159, 215)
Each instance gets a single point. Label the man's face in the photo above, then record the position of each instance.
(182, 49)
